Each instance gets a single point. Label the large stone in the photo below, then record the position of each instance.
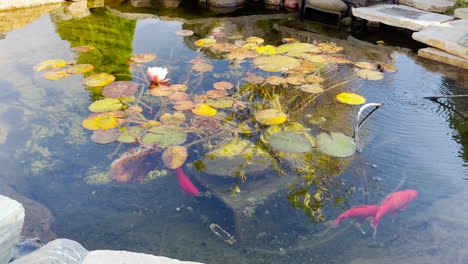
(124, 257)
(442, 56)
(18, 18)
(330, 5)
(59, 251)
(11, 222)
(451, 37)
(461, 13)
(439, 6)
(79, 9)
(401, 16)
(14, 4)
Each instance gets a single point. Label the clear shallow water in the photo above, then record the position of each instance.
(414, 143)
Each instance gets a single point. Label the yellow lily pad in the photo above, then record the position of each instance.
(365, 65)
(204, 110)
(255, 40)
(99, 79)
(350, 98)
(297, 48)
(142, 58)
(224, 47)
(270, 117)
(55, 74)
(85, 48)
(103, 120)
(250, 46)
(276, 63)
(329, 48)
(105, 105)
(241, 54)
(289, 40)
(50, 64)
(370, 75)
(205, 42)
(314, 78)
(79, 68)
(276, 80)
(267, 50)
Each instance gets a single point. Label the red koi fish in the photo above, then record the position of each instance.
(394, 202)
(185, 183)
(361, 213)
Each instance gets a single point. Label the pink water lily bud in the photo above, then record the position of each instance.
(157, 74)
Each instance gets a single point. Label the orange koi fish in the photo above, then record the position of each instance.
(185, 183)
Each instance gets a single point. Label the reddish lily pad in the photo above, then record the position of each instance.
(184, 105)
(178, 96)
(329, 48)
(105, 136)
(142, 58)
(223, 85)
(174, 156)
(241, 54)
(253, 78)
(216, 93)
(295, 80)
(218, 34)
(79, 68)
(99, 79)
(204, 67)
(206, 123)
(120, 89)
(85, 48)
(160, 90)
(198, 60)
(178, 87)
(133, 110)
(276, 80)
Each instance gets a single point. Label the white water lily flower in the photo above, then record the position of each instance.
(157, 74)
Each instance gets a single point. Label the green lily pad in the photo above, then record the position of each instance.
(79, 68)
(130, 135)
(219, 103)
(296, 48)
(165, 136)
(276, 63)
(120, 89)
(336, 144)
(105, 105)
(290, 142)
(99, 79)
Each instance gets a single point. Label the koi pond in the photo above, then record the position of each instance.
(246, 137)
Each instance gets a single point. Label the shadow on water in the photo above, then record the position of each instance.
(56, 164)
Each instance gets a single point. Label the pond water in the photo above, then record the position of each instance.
(279, 212)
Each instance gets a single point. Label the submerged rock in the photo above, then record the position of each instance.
(11, 222)
(122, 257)
(63, 251)
(26, 246)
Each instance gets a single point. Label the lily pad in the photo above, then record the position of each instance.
(120, 89)
(178, 87)
(99, 79)
(216, 93)
(203, 67)
(365, 65)
(255, 40)
(218, 34)
(350, 98)
(142, 58)
(184, 105)
(224, 47)
(104, 120)
(253, 78)
(50, 64)
(387, 67)
(297, 48)
(303, 68)
(370, 75)
(172, 120)
(133, 110)
(276, 80)
(205, 42)
(314, 78)
(329, 48)
(223, 85)
(85, 48)
(313, 58)
(185, 33)
(178, 96)
(197, 60)
(160, 90)
(55, 74)
(311, 88)
(336, 144)
(270, 117)
(174, 157)
(79, 68)
(206, 123)
(290, 142)
(165, 136)
(105, 136)
(204, 110)
(105, 105)
(276, 63)
(295, 80)
(241, 54)
(250, 46)
(219, 103)
(267, 50)
(289, 40)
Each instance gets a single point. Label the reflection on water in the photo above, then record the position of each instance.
(410, 143)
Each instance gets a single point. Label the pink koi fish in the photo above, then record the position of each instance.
(185, 183)
(394, 202)
(361, 213)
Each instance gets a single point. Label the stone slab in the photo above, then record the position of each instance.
(442, 56)
(461, 13)
(14, 4)
(439, 6)
(451, 37)
(400, 16)
(59, 251)
(125, 257)
(11, 222)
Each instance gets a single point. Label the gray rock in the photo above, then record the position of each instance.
(14, 4)
(401, 16)
(442, 56)
(11, 222)
(124, 257)
(439, 6)
(461, 13)
(450, 37)
(331, 5)
(59, 251)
